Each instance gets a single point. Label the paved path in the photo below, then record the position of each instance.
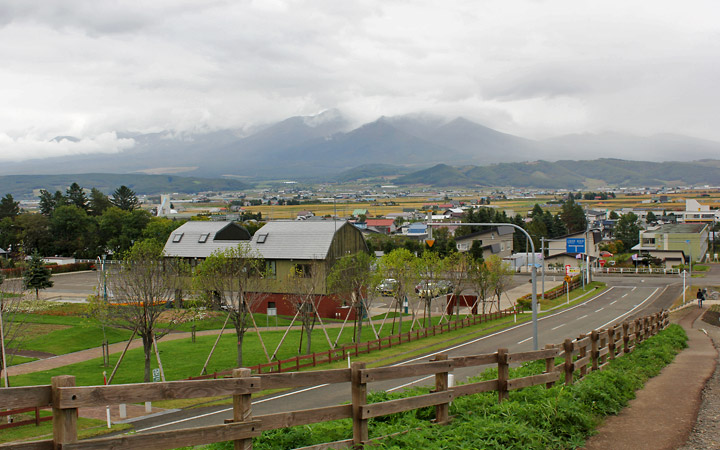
(664, 411)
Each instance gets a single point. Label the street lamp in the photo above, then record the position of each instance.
(534, 268)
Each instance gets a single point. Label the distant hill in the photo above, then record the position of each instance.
(22, 186)
(370, 171)
(569, 174)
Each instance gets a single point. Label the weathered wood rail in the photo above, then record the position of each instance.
(584, 354)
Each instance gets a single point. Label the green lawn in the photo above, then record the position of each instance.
(17, 359)
(86, 428)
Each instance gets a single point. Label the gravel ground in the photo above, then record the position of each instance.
(706, 433)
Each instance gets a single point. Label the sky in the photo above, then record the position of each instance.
(94, 68)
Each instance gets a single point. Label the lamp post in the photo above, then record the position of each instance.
(533, 273)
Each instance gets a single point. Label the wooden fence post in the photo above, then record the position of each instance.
(242, 409)
(441, 384)
(549, 366)
(503, 374)
(626, 337)
(64, 420)
(569, 368)
(582, 352)
(595, 353)
(611, 342)
(638, 332)
(359, 399)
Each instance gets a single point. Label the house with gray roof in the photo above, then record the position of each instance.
(290, 248)
(495, 241)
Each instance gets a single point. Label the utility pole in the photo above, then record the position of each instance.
(533, 276)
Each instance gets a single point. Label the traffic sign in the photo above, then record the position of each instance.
(568, 278)
(430, 242)
(602, 263)
(575, 245)
(567, 269)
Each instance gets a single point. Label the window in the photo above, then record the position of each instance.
(203, 238)
(177, 237)
(303, 270)
(261, 238)
(270, 270)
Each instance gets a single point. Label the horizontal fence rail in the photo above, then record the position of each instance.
(586, 353)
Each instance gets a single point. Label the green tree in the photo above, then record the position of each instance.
(613, 215)
(47, 202)
(234, 275)
(9, 207)
(160, 229)
(304, 283)
(9, 239)
(430, 269)
(119, 229)
(76, 196)
(399, 265)
(650, 217)
(98, 202)
(33, 232)
(125, 199)
(37, 276)
(457, 266)
(73, 232)
(627, 230)
(573, 216)
(142, 284)
(500, 276)
(476, 251)
(352, 279)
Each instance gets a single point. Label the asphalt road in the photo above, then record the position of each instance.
(625, 298)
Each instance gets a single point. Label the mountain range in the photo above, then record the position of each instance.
(326, 145)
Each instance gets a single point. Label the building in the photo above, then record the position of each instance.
(495, 241)
(697, 213)
(298, 255)
(385, 226)
(689, 238)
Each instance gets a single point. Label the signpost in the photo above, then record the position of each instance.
(575, 245)
(568, 279)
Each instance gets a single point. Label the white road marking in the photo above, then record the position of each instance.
(525, 340)
(613, 302)
(636, 307)
(598, 310)
(561, 325)
(582, 317)
(624, 296)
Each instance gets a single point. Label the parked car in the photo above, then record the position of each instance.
(606, 254)
(433, 289)
(387, 286)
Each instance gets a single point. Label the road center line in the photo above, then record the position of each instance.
(636, 307)
(561, 325)
(613, 302)
(525, 340)
(598, 310)
(582, 317)
(623, 296)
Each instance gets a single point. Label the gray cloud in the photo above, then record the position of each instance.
(93, 68)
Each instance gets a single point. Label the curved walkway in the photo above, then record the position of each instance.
(664, 412)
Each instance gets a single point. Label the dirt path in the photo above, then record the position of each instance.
(665, 410)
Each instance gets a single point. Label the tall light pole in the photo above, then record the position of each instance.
(534, 268)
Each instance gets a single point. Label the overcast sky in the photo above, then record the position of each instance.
(91, 68)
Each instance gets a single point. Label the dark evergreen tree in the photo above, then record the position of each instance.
(573, 216)
(99, 202)
(125, 199)
(76, 196)
(9, 207)
(37, 276)
(628, 229)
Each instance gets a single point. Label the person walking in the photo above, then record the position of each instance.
(700, 297)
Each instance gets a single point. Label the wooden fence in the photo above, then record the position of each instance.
(579, 356)
(359, 348)
(14, 412)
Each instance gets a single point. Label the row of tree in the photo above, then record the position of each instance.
(72, 224)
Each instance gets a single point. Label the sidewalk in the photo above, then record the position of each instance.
(664, 411)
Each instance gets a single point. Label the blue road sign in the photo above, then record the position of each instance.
(575, 245)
